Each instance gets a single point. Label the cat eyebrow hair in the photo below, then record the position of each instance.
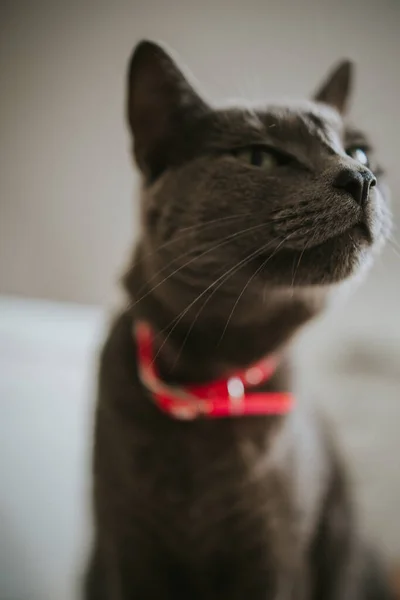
(316, 120)
(355, 136)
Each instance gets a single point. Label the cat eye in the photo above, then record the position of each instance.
(262, 157)
(359, 154)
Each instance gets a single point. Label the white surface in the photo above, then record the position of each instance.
(47, 355)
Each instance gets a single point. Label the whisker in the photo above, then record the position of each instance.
(391, 236)
(175, 259)
(187, 263)
(221, 279)
(214, 221)
(395, 250)
(394, 244)
(247, 259)
(299, 261)
(248, 283)
(187, 231)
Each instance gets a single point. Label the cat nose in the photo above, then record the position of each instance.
(356, 183)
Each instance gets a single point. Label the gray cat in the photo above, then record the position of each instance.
(252, 221)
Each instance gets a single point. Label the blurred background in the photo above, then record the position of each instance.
(67, 222)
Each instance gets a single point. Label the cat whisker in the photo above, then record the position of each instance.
(165, 267)
(214, 221)
(187, 263)
(299, 261)
(394, 249)
(248, 283)
(220, 280)
(247, 259)
(171, 262)
(187, 231)
(394, 245)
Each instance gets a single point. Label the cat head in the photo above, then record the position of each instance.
(285, 194)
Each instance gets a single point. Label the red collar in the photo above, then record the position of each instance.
(222, 398)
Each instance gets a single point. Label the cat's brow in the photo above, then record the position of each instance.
(305, 127)
(316, 120)
(329, 136)
(355, 136)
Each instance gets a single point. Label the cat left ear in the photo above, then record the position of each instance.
(161, 104)
(336, 89)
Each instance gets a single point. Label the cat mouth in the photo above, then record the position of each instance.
(360, 232)
(355, 237)
(340, 248)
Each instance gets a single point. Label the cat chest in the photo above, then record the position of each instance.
(203, 492)
(206, 498)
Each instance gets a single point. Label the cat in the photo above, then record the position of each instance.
(252, 221)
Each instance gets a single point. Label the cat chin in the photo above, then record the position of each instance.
(348, 275)
(340, 291)
(326, 292)
(343, 261)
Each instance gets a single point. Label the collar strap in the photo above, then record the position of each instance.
(221, 398)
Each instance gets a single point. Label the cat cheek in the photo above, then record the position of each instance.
(152, 218)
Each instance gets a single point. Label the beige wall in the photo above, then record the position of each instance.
(66, 185)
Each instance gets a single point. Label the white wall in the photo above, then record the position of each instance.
(66, 183)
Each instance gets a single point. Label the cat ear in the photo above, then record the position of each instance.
(336, 89)
(160, 104)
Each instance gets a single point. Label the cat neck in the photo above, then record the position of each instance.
(195, 347)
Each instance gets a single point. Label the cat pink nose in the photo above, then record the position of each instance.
(356, 183)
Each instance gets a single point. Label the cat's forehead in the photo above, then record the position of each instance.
(282, 113)
(280, 121)
(307, 112)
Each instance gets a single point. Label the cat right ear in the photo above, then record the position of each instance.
(160, 103)
(336, 89)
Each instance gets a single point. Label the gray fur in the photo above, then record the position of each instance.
(231, 262)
